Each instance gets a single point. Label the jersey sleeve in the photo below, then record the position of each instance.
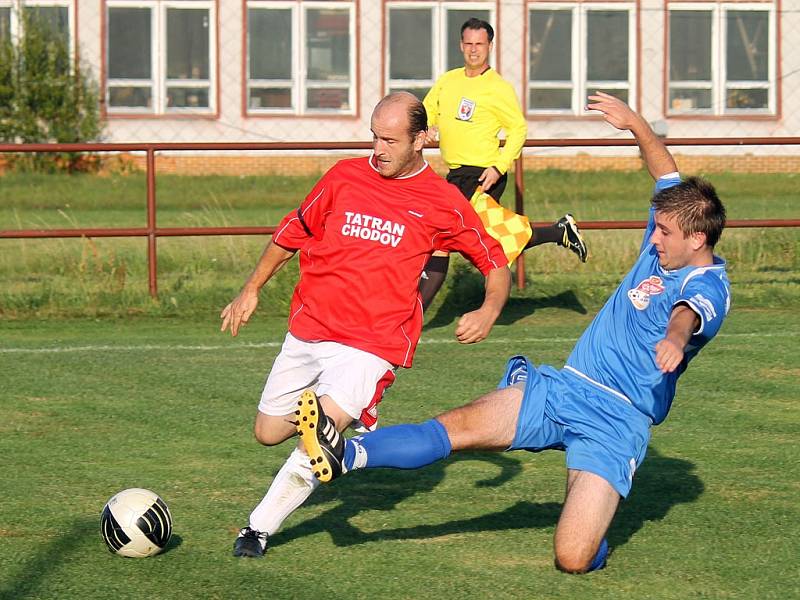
(513, 122)
(308, 220)
(662, 183)
(431, 103)
(469, 237)
(708, 296)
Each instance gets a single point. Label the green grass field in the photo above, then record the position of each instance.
(104, 388)
(92, 407)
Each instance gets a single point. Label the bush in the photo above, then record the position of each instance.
(45, 97)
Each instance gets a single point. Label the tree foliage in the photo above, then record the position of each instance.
(45, 96)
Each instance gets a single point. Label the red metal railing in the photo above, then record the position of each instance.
(152, 231)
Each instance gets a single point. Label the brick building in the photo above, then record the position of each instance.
(311, 70)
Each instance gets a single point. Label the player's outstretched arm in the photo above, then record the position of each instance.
(683, 322)
(475, 326)
(238, 312)
(655, 154)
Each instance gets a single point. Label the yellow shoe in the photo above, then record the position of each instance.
(321, 440)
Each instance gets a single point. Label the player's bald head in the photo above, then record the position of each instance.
(404, 105)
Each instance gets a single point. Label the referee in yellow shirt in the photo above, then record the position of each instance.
(467, 107)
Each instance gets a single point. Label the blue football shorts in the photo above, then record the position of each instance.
(601, 433)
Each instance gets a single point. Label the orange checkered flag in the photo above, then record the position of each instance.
(513, 231)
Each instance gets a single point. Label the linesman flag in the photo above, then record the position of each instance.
(513, 231)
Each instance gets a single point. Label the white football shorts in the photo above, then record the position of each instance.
(353, 378)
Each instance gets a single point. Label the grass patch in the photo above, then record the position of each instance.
(94, 406)
(105, 388)
(614, 195)
(74, 277)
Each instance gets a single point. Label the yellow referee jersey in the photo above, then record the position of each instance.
(470, 112)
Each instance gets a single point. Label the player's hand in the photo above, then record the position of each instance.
(432, 135)
(488, 178)
(474, 326)
(238, 312)
(615, 111)
(668, 355)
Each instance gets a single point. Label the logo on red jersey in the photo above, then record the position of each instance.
(640, 296)
(373, 229)
(465, 109)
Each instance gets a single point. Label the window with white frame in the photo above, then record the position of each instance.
(424, 40)
(721, 59)
(5, 23)
(160, 56)
(56, 14)
(301, 57)
(577, 49)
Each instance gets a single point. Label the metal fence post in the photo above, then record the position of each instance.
(519, 208)
(152, 260)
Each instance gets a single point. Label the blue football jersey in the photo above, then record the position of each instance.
(617, 350)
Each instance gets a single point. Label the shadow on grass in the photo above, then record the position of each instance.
(33, 573)
(173, 543)
(660, 484)
(384, 489)
(466, 293)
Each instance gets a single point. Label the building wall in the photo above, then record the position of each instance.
(231, 125)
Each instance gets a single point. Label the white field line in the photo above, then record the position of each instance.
(248, 345)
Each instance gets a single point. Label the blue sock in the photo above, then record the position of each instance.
(399, 447)
(599, 560)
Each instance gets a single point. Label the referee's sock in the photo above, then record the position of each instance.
(549, 234)
(432, 278)
(398, 447)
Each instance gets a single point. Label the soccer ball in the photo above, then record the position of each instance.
(136, 523)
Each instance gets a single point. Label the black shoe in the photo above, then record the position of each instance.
(322, 442)
(250, 543)
(572, 236)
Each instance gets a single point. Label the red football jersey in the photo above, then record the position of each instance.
(364, 240)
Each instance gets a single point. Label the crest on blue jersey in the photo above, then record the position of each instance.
(640, 295)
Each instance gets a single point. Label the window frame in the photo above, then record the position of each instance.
(14, 21)
(439, 10)
(159, 82)
(581, 87)
(719, 83)
(299, 83)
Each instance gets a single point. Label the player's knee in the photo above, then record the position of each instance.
(581, 558)
(570, 563)
(573, 558)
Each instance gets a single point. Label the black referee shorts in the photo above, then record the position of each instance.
(465, 178)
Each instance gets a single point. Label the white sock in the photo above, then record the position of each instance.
(288, 490)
